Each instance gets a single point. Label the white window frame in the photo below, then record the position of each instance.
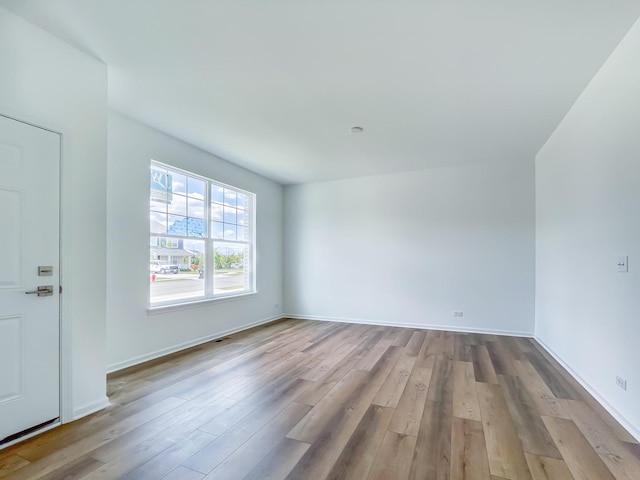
(210, 243)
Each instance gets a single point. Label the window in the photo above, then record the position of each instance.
(201, 242)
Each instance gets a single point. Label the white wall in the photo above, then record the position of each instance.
(410, 248)
(133, 335)
(588, 213)
(46, 82)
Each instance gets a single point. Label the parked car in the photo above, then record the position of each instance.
(160, 267)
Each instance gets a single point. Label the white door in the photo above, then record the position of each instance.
(29, 239)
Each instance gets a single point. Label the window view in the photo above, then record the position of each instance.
(201, 238)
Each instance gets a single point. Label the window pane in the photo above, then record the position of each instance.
(195, 208)
(187, 226)
(177, 225)
(170, 242)
(156, 206)
(157, 222)
(195, 187)
(230, 197)
(230, 215)
(178, 205)
(216, 212)
(229, 231)
(242, 217)
(175, 273)
(230, 272)
(217, 230)
(178, 183)
(196, 227)
(217, 194)
(197, 258)
(242, 234)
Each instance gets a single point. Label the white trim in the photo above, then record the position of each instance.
(66, 372)
(30, 124)
(30, 435)
(594, 393)
(450, 328)
(66, 350)
(90, 408)
(169, 307)
(114, 367)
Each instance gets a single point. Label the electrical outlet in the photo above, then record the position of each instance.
(623, 263)
(457, 314)
(621, 382)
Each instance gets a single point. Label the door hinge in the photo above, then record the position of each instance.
(60, 290)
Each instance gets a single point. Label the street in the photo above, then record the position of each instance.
(186, 285)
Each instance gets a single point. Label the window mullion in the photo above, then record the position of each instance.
(208, 262)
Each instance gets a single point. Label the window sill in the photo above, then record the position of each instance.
(159, 309)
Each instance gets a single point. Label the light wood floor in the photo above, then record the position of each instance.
(313, 400)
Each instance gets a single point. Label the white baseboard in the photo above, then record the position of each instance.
(450, 328)
(114, 367)
(594, 393)
(94, 407)
(90, 408)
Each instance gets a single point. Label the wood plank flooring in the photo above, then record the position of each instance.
(317, 400)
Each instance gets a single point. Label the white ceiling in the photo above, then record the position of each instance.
(276, 85)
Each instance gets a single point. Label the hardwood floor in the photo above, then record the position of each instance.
(314, 400)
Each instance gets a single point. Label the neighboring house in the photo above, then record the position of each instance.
(172, 256)
(174, 253)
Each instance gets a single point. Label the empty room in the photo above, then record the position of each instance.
(319, 240)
